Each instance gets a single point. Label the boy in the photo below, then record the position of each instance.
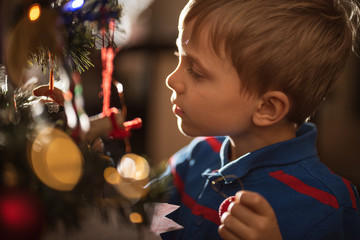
(254, 71)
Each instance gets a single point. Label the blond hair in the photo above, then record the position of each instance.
(299, 47)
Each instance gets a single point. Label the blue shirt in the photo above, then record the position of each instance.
(310, 201)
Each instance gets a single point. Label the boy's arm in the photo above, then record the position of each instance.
(249, 217)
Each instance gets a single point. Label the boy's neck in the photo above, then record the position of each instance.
(261, 137)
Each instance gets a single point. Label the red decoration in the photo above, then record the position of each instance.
(107, 56)
(107, 59)
(51, 75)
(21, 216)
(225, 205)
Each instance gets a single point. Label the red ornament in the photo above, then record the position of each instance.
(21, 216)
(225, 205)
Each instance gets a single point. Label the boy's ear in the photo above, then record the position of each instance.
(273, 106)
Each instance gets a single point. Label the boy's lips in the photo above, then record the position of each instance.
(177, 110)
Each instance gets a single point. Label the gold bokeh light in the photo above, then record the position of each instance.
(135, 217)
(111, 175)
(34, 12)
(56, 159)
(133, 166)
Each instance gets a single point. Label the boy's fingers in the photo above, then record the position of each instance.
(56, 95)
(255, 202)
(226, 234)
(233, 227)
(243, 214)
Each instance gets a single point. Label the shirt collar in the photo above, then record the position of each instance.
(293, 150)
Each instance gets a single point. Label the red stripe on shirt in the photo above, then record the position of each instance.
(299, 186)
(214, 143)
(196, 209)
(351, 192)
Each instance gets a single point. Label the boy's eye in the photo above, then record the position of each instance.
(192, 73)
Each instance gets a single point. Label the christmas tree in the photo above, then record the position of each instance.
(55, 160)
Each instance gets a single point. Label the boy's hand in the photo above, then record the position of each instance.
(249, 217)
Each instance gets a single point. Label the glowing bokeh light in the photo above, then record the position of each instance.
(34, 12)
(135, 217)
(132, 189)
(10, 176)
(64, 160)
(84, 122)
(119, 87)
(133, 166)
(70, 114)
(73, 5)
(134, 172)
(56, 159)
(77, 4)
(111, 175)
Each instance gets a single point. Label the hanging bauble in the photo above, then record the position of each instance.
(225, 205)
(21, 215)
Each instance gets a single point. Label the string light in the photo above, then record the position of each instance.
(73, 5)
(34, 12)
(135, 217)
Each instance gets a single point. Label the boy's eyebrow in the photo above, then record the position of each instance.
(190, 57)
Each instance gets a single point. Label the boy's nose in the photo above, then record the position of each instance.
(173, 81)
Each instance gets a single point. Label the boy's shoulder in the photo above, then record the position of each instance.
(344, 192)
(315, 199)
(206, 144)
(199, 148)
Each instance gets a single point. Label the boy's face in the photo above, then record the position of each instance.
(206, 93)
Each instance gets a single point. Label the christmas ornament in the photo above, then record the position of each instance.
(225, 205)
(218, 184)
(160, 223)
(21, 215)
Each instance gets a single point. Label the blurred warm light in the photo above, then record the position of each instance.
(132, 189)
(133, 166)
(135, 217)
(111, 175)
(56, 159)
(134, 171)
(10, 176)
(34, 12)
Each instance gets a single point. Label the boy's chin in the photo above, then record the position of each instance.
(185, 131)
(190, 132)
